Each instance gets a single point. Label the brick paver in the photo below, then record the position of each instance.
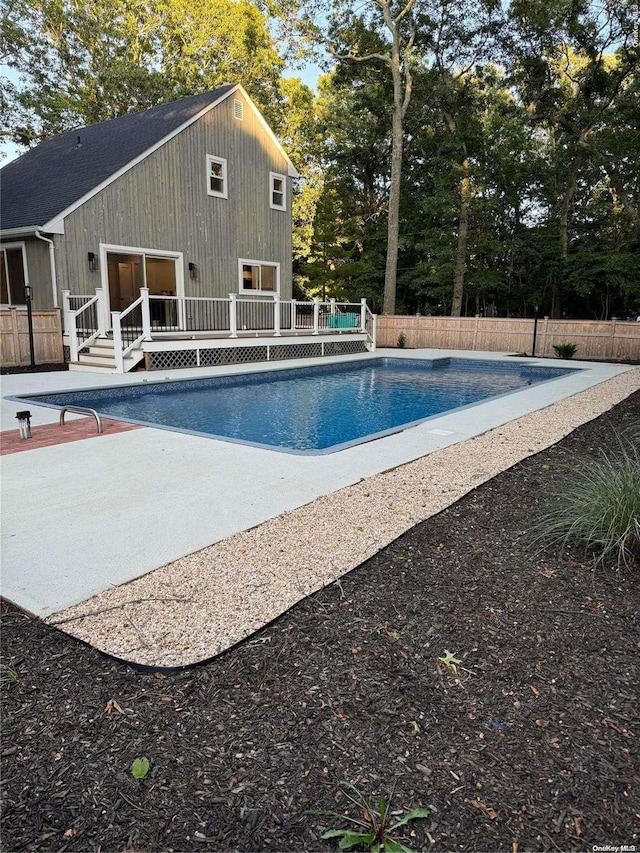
(51, 434)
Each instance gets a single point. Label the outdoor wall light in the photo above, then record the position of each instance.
(193, 270)
(24, 424)
(93, 261)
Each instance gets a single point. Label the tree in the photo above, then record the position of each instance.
(405, 36)
(348, 247)
(572, 63)
(459, 36)
(80, 63)
(382, 31)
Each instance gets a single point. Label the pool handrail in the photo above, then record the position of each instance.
(81, 410)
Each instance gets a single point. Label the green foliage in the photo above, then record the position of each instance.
(402, 341)
(543, 110)
(140, 768)
(565, 350)
(549, 115)
(599, 507)
(8, 673)
(373, 829)
(81, 63)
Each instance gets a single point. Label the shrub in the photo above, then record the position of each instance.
(565, 350)
(599, 507)
(402, 341)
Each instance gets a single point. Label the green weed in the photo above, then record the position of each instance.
(8, 673)
(139, 768)
(373, 829)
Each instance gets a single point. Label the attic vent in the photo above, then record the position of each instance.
(238, 110)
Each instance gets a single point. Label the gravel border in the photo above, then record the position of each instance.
(196, 607)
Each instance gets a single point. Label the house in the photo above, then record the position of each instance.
(168, 225)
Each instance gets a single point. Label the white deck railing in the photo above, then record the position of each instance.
(84, 320)
(135, 328)
(152, 317)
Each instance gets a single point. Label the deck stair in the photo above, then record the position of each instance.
(100, 358)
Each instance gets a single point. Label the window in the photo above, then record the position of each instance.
(238, 110)
(259, 276)
(278, 191)
(13, 275)
(217, 176)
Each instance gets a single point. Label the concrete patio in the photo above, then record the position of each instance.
(83, 517)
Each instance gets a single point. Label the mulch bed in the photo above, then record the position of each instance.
(531, 746)
(39, 368)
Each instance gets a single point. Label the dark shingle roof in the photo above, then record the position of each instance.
(56, 173)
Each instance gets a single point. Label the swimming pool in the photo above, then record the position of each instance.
(310, 410)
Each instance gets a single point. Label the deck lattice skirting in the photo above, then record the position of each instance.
(243, 354)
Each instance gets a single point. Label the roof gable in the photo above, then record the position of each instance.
(60, 173)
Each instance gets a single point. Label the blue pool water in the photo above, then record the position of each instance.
(311, 409)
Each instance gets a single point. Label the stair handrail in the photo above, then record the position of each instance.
(116, 322)
(81, 410)
(72, 326)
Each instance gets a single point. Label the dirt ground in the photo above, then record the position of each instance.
(531, 745)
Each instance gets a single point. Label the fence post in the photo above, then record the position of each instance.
(332, 303)
(612, 343)
(146, 313)
(233, 315)
(374, 320)
(316, 316)
(66, 309)
(117, 341)
(276, 316)
(475, 333)
(293, 314)
(413, 337)
(363, 314)
(545, 329)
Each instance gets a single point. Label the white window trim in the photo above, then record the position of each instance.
(258, 292)
(283, 178)
(20, 245)
(108, 248)
(211, 158)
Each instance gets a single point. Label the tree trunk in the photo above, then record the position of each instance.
(567, 198)
(399, 60)
(565, 206)
(463, 234)
(393, 222)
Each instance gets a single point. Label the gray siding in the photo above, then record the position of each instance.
(163, 204)
(38, 271)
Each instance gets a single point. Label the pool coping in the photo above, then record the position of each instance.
(84, 518)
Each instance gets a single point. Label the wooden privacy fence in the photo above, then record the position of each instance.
(14, 337)
(607, 340)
